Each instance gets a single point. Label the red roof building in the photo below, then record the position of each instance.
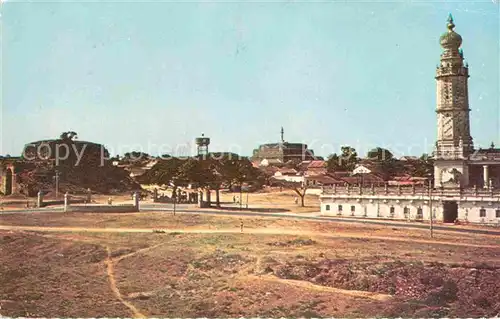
(323, 180)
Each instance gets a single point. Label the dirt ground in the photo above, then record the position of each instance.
(157, 264)
(271, 199)
(284, 200)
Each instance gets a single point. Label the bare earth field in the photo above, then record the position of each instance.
(282, 201)
(272, 200)
(157, 264)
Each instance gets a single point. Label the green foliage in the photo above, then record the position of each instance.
(68, 135)
(236, 171)
(345, 162)
(135, 158)
(392, 167)
(196, 172)
(424, 167)
(164, 172)
(334, 163)
(212, 171)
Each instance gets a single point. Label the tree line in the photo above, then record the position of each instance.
(390, 166)
(213, 171)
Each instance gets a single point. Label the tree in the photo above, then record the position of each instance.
(213, 177)
(379, 154)
(298, 187)
(334, 163)
(392, 167)
(424, 166)
(345, 162)
(166, 172)
(237, 171)
(226, 169)
(259, 177)
(193, 172)
(69, 136)
(136, 157)
(210, 172)
(349, 157)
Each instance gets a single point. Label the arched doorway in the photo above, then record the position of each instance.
(8, 182)
(450, 211)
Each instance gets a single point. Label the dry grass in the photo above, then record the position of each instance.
(284, 201)
(272, 197)
(275, 268)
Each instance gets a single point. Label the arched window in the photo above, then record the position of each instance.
(406, 211)
(482, 212)
(420, 212)
(327, 207)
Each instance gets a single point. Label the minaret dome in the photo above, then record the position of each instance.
(450, 40)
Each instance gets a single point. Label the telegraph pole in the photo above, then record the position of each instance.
(57, 183)
(175, 200)
(241, 193)
(430, 208)
(247, 199)
(174, 195)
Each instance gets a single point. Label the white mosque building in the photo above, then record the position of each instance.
(465, 178)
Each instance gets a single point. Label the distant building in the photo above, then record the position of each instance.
(313, 168)
(136, 170)
(322, 180)
(289, 175)
(408, 158)
(282, 153)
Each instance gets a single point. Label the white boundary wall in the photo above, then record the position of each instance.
(470, 209)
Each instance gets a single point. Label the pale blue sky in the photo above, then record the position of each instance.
(159, 73)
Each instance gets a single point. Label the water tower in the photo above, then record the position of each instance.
(202, 144)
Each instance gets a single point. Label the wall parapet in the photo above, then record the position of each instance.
(435, 197)
(410, 191)
(124, 208)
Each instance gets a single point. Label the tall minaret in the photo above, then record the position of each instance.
(454, 142)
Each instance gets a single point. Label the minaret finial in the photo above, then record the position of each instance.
(451, 25)
(282, 133)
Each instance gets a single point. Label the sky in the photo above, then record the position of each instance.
(151, 76)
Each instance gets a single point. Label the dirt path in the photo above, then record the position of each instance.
(112, 283)
(257, 269)
(311, 286)
(270, 231)
(139, 251)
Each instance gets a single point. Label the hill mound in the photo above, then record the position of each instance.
(78, 166)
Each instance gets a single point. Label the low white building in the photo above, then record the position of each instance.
(295, 177)
(472, 206)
